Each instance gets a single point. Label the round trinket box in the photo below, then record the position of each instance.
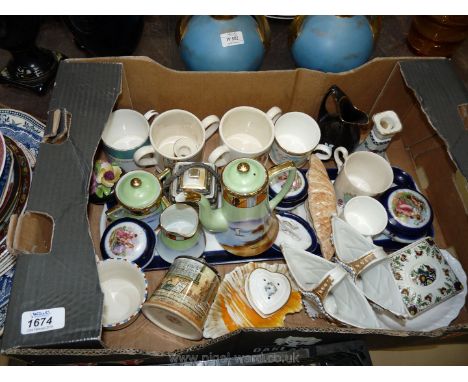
(297, 194)
(129, 239)
(409, 212)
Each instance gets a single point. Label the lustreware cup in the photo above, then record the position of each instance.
(176, 136)
(362, 173)
(297, 135)
(179, 227)
(125, 132)
(244, 132)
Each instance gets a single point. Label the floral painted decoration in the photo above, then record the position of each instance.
(122, 240)
(104, 177)
(409, 208)
(423, 276)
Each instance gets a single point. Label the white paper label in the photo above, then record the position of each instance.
(231, 38)
(42, 320)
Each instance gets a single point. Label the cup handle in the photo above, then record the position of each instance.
(150, 114)
(324, 152)
(274, 113)
(336, 155)
(210, 124)
(273, 171)
(217, 154)
(139, 155)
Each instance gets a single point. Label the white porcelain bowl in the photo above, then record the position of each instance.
(125, 290)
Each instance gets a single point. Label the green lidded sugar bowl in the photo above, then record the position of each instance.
(139, 195)
(245, 224)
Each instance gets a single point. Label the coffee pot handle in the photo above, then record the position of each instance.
(276, 170)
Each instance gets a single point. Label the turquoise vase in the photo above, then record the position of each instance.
(332, 43)
(223, 43)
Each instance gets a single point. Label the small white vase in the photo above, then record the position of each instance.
(386, 125)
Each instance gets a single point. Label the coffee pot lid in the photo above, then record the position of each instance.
(244, 176)
(138, 189)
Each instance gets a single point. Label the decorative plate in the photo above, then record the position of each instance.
(19, 199)
(423, 276)
(295, 231)
(128, 239)
(409, 212)
(6, 282)
(296, 195)
(24, 129)
(5, 177)
(438, 316)
(3, 152)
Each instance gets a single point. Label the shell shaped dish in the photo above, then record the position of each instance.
(231, 309)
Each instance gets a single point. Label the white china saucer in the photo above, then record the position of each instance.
(169, 255)
(440, 315)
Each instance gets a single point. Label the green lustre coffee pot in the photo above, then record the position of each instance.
(245, 224)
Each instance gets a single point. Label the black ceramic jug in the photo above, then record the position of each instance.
(343, 127)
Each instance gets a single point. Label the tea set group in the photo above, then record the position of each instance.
(355, 240)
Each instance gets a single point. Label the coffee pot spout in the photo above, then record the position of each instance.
(212, 219)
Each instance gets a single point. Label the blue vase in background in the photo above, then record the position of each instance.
(223, 43)
(332, 43)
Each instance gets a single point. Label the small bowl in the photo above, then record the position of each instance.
(366, 215)
(296, 195)
(125, 290)
(409, 212)
(129, 239)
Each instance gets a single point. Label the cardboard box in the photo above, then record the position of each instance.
(426, 94)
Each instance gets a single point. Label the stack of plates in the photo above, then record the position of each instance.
(20, 137)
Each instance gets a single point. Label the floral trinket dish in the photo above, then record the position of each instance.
(409, 212)
(129, 239)
(423, 276)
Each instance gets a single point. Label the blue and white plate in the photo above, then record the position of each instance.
(6, 282)
(26, 130)
(5, 177)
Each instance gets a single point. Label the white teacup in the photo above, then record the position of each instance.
(176, 135)
(366, 215)
(362, 173)
(244, 132)
(297, 135)
(125, 132)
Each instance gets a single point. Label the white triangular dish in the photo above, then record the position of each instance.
(330, 288)
(266, 291)
(370, 266)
